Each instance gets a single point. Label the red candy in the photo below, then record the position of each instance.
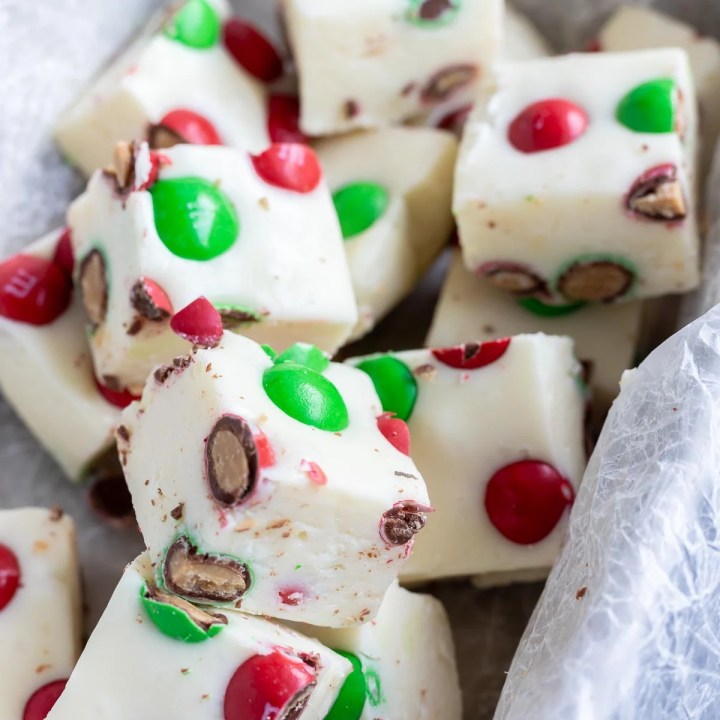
(525, 500)
(119, 398)
(291, 596)
(284, 120)
(42, 700)
(472, 356)
(191, 127)
(63, 257)
(33, 290)
(455, 121)
(157, 296)
(9, 575)
(395, 431)
(252, 50)
(266, 687)
(289, 166)
(265, 453)
(199, 323)
(314, 472)
(547, 124)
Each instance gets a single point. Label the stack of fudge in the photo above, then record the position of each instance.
(247, 216)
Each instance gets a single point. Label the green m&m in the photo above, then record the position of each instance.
(196, 25)
(649, 107)
(433, 13)
(194, 218)
(360, 205)
(350, 701)
(306, 396)
(306, 355)
(541, 309)
(394, 383)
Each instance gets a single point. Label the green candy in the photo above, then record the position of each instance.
(351, 698)
(196, 25)
(394, 383)
(306, 355)
(649, 107)
(269, 352)
(374, 688)
(306, 396)
(194, 218)
(174, 622)
(433, 13)
(359, 205)
(537, 307)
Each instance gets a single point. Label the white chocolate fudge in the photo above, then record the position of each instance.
(46, 371)
(523, 41)
(591, 197)
(637, 28)
(257, 235)
(497, 430)
(380, 62)
(395, 213)
(278, 491)
(403, 662)
(176, 83)
(39, 610)
(155, 656)
(605, 336)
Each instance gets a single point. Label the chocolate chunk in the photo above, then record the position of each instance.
(595, 280)
(108, 495)
(122, 172)
(447, 81)
(161, 137)
(657, 195)
(399, 524)
(203, 619)
(144, 304)
(123, 433)
(352, 108)
(231, 460)
(234, 317)
(213, 578)
(163, 373)
(177, 512)
(93, 286)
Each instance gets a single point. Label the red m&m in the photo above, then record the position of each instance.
(547, 124)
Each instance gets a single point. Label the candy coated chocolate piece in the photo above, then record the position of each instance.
(394, 383)
(649, 107)
(194, 218)
(33, 290)
(289, 166)
(108, 495)
(359, 206)
(43, 700)
(525, 500)
(63, 256)
(252, 50)
(119, 398)
(150, 300)
(235, 316)
(395, 431)
(306, 355)
(596, 278)
(541, 309)
(472, 356)
(9, 575)
(183, 126)
(306, 396)
(513, 277)
(276, 686)
(199, 323)
(433, 13)
(284, 119)
(547, 124)
(351, 698)
(196, 25)
(447, 82)
(657, 194)
(400, 524)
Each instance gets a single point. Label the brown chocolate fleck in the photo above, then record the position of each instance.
(93, 286)
(231, 462)
(182, 363)
(581, 593)
(161, 137)
(144, 304)
(123, 433)
(657, 195)
(56, 514)
(203, 619)
(351, 108)
(406, 475)
(595, 280)
(447, 81)
(162, 373)
(177, 512)
(399, 524)
(135, 327)
(426, 370)
(213, 578)
(234, 317)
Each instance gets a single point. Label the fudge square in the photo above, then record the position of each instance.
(395, 212)
(40, 621)
(403, 661)
(270, 484)
(178, 82)
(381, 62)
(257, 235)
(592, 193)
(605, 336)
(497, 431)
(154, 655)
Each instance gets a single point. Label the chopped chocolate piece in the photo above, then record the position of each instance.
(177, 512)
(595, 280)
(93, 286)
(401, 523)
(231, 460)
(203, 619)
(123, 433)
(144, 299)
(161, 137)
(163, 373)
(447, 81)
(234, 317)
(657, 195)
(352, 108)
(108, 494)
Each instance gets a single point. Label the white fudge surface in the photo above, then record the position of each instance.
(407, 657)
(369, 64)
(523, 41)
(154, 76)
(468, 424)
(637, 28)
(129, 668)
(310, 526)
(546, 210)
(46, 374)
(389, 257)
(287, 263)
(40, 626)
(472, 309)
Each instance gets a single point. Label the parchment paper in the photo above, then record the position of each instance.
(48, 50)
